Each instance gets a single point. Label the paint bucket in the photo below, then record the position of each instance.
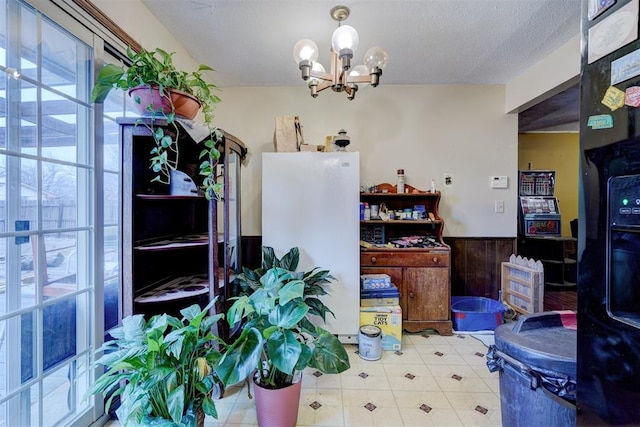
(370, 342)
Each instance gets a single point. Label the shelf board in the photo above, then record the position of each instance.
(169, 197)
(518, 294)
(389, 249)
(421, 194)
(175, 288)
(520, 280)
(568, 285)
(401, 221)
(174, 242)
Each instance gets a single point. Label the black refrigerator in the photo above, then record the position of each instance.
(608, 356)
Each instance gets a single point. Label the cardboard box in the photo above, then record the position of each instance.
(387, 318)
(375, 281)
(379, 297)
(287, 135)
(310, 147)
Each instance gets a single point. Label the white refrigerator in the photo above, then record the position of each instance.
(311, 200)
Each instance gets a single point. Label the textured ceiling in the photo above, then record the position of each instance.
(250, 42)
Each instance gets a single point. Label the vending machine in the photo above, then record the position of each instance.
(539, 214)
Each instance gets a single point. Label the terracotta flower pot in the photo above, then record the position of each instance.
(277, 407)
(185, 105)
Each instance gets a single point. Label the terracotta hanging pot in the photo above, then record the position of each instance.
(184, 104)
(277, 407)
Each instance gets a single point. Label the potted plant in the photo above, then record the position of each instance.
(164, 92)
(162, 369)
(278, 339)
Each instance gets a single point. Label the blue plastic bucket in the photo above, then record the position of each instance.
(476, 313)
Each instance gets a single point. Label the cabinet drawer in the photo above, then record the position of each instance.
(404, 259)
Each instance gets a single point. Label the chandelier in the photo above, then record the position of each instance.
(342, 77)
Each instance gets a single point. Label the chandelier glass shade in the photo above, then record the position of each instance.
(342, 77)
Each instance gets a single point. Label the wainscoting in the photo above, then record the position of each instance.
(476, 264)
(251, 251)
(475, 267)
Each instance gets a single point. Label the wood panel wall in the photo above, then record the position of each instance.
(251, 251)
(476, 264)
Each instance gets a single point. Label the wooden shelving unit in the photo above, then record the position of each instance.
(178, 249)
(422, 273)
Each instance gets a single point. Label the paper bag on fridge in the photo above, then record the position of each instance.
(287, 135)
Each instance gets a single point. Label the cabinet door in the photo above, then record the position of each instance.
(427, 293)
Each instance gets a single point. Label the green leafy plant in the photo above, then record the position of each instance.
(278, 338)
(155, 69)
(161, 368)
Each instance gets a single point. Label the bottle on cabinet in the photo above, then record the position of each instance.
(400, 183)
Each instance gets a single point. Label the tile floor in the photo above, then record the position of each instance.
(433, 381)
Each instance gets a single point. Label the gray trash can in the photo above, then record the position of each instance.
(536, 357)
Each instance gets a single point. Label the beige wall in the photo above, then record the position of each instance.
(134, 18)
(426, 130)
(559, 152)
(555, 73)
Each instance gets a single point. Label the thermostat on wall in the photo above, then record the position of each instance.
(499, 182)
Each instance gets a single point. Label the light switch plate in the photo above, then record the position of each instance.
(499, 181)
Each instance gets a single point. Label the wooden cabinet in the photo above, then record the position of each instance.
(558, 256)
(170, 238)
(420, 269)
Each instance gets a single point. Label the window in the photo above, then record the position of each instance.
(54, 225)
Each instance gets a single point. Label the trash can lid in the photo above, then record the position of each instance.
(544, 341)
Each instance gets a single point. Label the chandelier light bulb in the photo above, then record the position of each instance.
(375, 57)
(316, 66)
(341, 77)
(344, 37)
(305, 50)
(360, 70)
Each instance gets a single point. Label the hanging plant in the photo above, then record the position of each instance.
(163, 92)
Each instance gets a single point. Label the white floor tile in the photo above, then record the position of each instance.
(379, 416)
(434, 381)
(411, 399)
(470, 417)
(448, 371)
